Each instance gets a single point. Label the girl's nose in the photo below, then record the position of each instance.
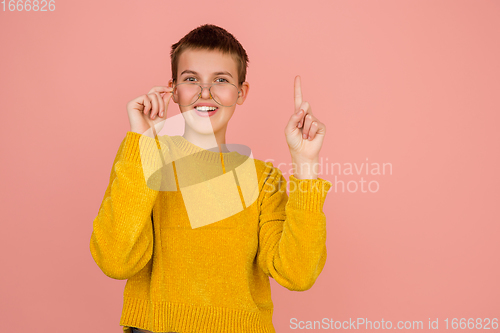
(205, 93)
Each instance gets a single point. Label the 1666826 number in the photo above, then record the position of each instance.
(28, 5)
(472, 323)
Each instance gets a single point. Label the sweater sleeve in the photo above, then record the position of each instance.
(122, 238)
(292, 230)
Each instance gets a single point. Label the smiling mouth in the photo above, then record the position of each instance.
(206, 111)
(206, 108)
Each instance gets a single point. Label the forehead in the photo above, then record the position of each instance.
(206, 62)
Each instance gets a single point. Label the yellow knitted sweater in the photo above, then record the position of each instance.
(186, 275)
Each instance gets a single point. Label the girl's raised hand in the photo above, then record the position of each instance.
(304, 132)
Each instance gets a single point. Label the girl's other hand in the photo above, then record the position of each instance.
(149, 110)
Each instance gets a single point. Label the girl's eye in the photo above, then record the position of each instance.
(190, 77)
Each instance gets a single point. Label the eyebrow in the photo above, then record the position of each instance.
(215, 73)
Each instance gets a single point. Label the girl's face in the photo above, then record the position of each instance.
(206, 67)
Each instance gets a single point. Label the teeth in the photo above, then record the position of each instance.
(205, 108)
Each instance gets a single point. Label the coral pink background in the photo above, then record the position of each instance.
(410, 83)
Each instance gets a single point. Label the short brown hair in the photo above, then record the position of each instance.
(211, 37)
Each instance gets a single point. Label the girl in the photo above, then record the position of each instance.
(197, 232)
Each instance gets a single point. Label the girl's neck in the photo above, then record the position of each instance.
(207, 141)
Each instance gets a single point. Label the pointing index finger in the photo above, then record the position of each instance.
(298, 94)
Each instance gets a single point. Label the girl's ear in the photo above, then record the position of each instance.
(170, 85)
(243, 92)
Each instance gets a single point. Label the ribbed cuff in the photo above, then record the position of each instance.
(136, 144)
(308, 194)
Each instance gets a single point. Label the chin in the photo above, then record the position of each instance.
(205, 126)
(206, 130)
